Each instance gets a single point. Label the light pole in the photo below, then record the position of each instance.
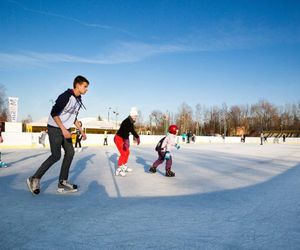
(116, 113)
(108, 113)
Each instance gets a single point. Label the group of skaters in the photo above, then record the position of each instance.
(64, 114)
(264, 138)
(188, 137)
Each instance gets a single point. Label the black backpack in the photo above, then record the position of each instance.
(158, 145)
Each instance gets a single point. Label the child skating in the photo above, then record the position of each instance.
(163, 149)
(63, 115)
(121, 140)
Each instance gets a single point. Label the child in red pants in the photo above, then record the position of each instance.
(163, 149)
(121, 140)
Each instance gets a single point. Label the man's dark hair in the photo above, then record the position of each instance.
(80, 79)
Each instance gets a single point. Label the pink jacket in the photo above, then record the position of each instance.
(169, 142)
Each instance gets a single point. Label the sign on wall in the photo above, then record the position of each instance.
(13, 108)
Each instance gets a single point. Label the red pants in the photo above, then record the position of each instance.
(124, 153)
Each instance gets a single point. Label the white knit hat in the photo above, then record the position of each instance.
(133, 111)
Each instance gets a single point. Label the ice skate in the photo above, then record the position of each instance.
(126, 169)
(169, 173)
(33, 185)
(66, 187)
(120, 171)
(3, 164)
(152, 170)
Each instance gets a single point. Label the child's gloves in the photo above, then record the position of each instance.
(177, 146)
(167, 155)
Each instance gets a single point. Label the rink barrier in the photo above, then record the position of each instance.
(31, 140)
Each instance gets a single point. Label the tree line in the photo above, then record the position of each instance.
(226, 120)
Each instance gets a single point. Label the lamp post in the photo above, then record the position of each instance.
(116, 113)
(108, 113)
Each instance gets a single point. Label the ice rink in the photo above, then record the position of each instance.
(224, 196)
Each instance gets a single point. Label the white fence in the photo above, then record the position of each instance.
(19, 139)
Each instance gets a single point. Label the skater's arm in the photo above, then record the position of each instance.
(67, 134)
(133, 132)
(60, 103)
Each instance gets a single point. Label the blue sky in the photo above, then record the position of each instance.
(150, 54)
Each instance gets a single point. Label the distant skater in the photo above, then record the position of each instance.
(78, 137)
(243, 138)
(63, 115)
(261, 138)
(163, 149)
(42, 138)
(121, 140)
(105, 138)
(2, 164)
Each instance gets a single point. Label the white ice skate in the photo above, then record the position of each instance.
(127, 169)
(120, 171)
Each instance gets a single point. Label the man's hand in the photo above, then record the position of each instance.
(67, 134)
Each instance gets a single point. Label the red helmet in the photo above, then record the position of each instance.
(173, 129)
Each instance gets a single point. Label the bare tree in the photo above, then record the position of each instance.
(199, 116)
(185, 117)
(3, 104)
(26, 120)
(157, 122)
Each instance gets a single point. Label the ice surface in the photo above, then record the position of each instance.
(224, 196)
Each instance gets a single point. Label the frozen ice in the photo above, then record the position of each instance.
(224, 196)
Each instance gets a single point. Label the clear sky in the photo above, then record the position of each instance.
(151, 54)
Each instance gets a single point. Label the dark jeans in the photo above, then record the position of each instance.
(160, 160)
(57, 141)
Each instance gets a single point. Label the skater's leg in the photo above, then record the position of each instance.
(68, 157)
(160, 160)
(126, 155)
(169, 164)
(76, 142)
(169, 173)
(119, 143)
(120, 146)
(55, 139)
